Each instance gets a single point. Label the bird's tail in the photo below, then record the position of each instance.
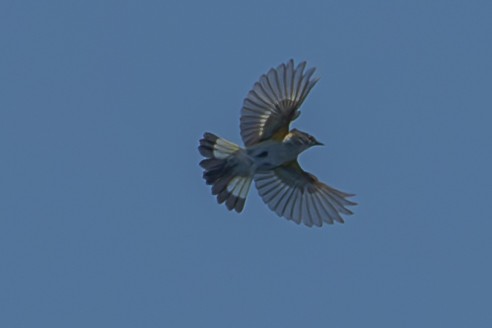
(221, 171)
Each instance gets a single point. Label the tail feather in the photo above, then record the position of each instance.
(214, 169)
(219, 172)
(212, 146)
(238, 189)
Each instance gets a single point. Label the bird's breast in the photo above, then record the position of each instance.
(270, 154)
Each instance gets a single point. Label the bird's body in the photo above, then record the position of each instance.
(270, 154)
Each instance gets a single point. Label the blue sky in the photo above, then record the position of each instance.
(105, 220)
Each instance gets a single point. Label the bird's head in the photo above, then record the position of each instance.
(301, 140)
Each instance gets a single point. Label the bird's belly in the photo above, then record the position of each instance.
(265, 164)
(270, 156)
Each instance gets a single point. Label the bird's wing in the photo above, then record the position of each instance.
(274, 101)
(299, 196)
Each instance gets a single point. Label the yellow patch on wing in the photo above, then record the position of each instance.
(280, 134)
(294, 165)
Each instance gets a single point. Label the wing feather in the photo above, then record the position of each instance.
(299, 196)
(273, 102)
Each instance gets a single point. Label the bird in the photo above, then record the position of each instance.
(270, 154)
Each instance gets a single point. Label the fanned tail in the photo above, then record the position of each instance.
(219, 171)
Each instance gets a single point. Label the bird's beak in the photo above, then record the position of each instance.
(317, 143)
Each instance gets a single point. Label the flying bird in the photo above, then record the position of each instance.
(269, 157)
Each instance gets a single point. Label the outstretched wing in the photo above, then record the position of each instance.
(274, 102)
(299, 196)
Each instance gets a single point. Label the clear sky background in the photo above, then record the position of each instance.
(105, 220)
